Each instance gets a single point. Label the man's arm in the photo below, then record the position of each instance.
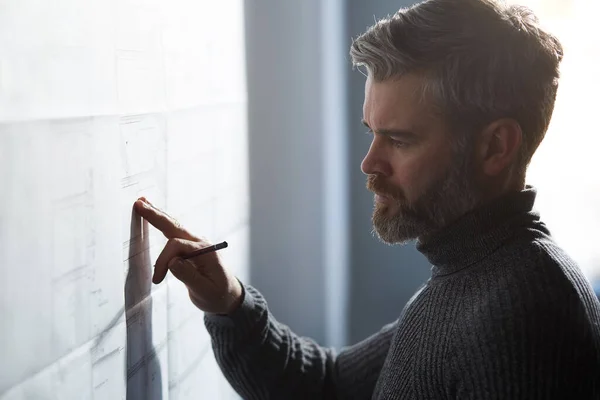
(263, 359)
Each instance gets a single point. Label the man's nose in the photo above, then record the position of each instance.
(375, 162)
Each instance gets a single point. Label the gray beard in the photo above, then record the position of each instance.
(446, 200)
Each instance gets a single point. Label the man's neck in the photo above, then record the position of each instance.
(488, 196)
(498, 186)
(477, 233)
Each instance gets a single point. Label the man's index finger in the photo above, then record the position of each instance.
(157, 218)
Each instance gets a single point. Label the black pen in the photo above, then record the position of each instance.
(206, 250)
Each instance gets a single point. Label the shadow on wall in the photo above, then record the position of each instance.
(144, 380)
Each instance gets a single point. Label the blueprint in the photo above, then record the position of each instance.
(102, 102)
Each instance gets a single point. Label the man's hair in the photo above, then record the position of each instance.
(481, 61)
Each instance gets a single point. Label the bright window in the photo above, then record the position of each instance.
(566, 168)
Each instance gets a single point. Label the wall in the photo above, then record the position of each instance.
(102, 102)
(296, 84)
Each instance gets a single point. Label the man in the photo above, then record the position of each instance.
(459, 95)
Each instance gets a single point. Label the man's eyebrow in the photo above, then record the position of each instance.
(393, 132)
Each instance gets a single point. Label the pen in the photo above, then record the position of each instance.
(206, 250)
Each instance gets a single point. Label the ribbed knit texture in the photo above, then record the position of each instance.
(506, 314)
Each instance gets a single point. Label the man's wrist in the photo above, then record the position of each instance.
(236, 297)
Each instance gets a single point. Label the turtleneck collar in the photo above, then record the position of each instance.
(480, 232)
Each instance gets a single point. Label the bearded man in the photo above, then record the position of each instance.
(458, 96)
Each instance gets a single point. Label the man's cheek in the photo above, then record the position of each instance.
(421, 175)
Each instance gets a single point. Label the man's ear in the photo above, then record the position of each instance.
(499, 146)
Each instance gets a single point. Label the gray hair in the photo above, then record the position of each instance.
(481, 59)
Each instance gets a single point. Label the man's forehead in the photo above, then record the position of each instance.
(394, 101)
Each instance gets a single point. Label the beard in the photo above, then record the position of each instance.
(445, 200)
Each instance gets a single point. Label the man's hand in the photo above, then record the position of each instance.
(211, 286)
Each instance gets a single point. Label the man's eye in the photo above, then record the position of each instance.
(398, 143)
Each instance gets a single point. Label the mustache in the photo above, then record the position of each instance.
(378, 185)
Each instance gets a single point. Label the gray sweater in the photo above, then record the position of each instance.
(506, 314)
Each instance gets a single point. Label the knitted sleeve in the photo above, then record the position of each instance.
(263, 359)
